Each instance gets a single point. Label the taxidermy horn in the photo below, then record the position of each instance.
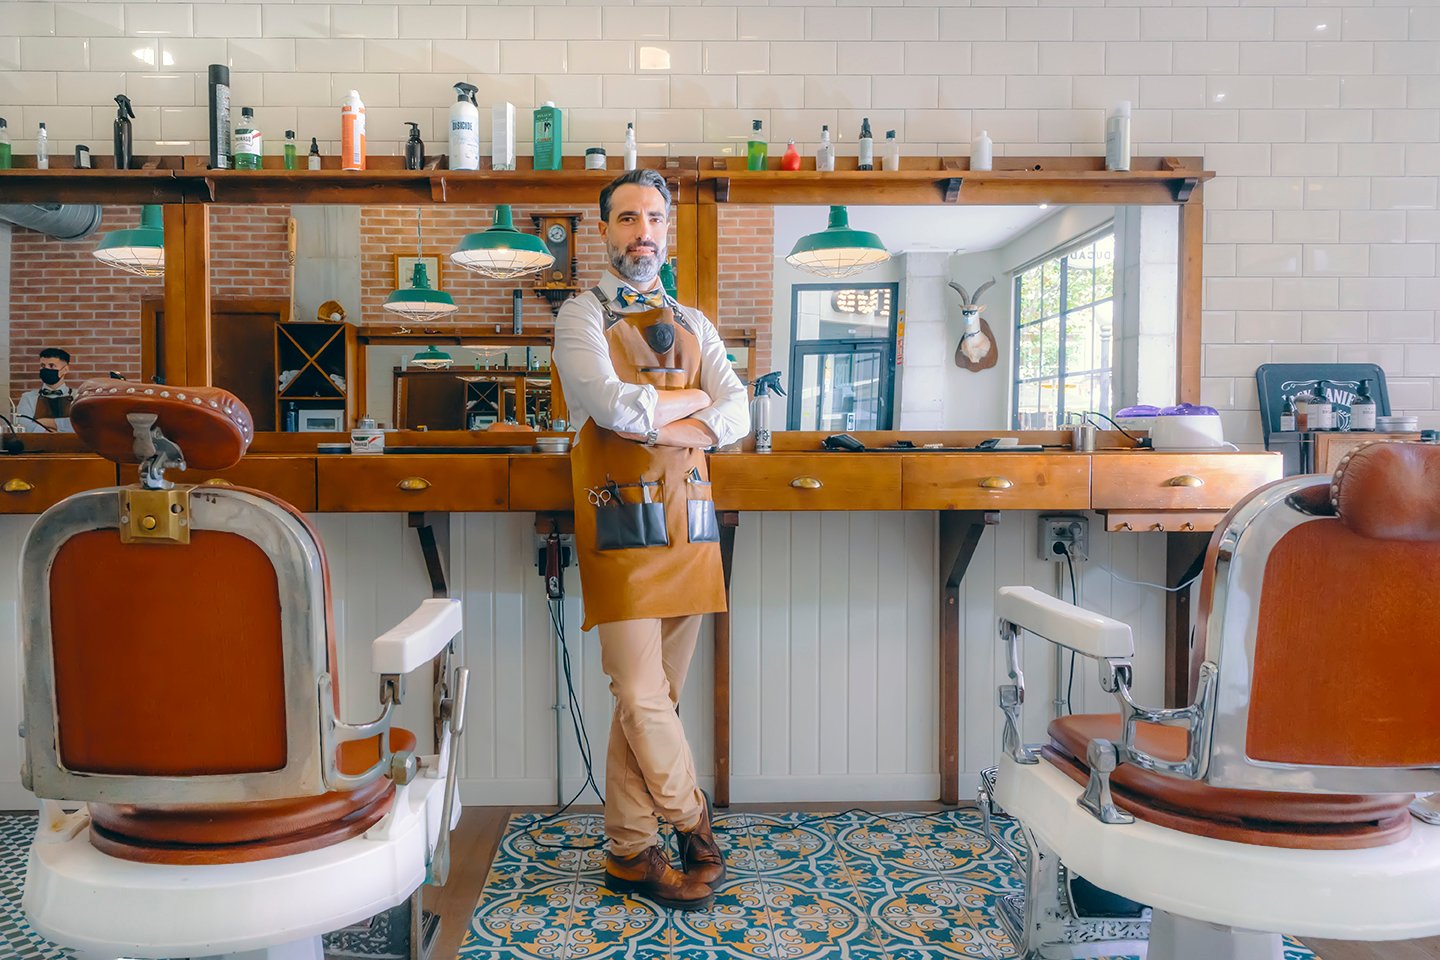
(976, 349)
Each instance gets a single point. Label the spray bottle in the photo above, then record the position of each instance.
(760, 415)
(352, 132)
(124, 144)
(464, 128)
(313, 161)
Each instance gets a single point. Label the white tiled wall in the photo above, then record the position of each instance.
(1322, 118)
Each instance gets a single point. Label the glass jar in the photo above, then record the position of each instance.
(595, 158)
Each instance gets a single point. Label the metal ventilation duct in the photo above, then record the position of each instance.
(63, 221)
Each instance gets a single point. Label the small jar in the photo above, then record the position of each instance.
(595, 158)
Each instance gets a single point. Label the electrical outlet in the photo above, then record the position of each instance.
(1059, 530)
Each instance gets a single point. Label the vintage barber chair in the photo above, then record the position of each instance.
(181, 683)
(1276, 802)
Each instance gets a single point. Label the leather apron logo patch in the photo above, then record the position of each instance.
(660, 336)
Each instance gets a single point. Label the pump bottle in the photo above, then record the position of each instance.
(760, 413)
(124, 142)
(464, 129)
(867, 146)
(415, 147)
(1362, 409)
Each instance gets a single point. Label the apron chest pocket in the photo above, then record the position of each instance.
(700, 511)
(623, 526)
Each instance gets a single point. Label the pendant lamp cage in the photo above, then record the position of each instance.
(838, 251)
(138, 250)
(502, 252)
(420, 302)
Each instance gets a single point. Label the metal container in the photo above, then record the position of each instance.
(552, 444)
(1397, 424)
(1082, 437)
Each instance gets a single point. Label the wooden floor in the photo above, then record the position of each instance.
(481, 829)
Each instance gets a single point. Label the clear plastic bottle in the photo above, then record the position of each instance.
(758, 150)
(825, 153)
(42, 148)
(289, 149)
(891, 159)
(630, 150)
(867, 146)
(982, 154)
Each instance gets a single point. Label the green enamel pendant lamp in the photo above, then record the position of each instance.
(139, 250)
(431, 358)
(420, 302)
(502, 252)
(838, 251)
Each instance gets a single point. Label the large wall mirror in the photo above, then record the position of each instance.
(59, 297)
(1082, 314)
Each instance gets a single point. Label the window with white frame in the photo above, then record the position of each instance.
(1064, 336)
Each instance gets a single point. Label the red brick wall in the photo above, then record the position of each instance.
(61, 296)
(248, 252)
(747, 277)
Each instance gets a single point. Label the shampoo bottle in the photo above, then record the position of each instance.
(249, 145)
(1362, 409)
(464, 129)
(289, 149)
(757, 151)
(42, 148)
(549, 137)
(892, 151)
(313, 161)
(352, 132)
(867, 146)
(414, 148)
(982, 154)
(630, 146)
(5, 146)
(124, 142)
(825, 153)
(791, 159)
(219, 116)
(1117, 138)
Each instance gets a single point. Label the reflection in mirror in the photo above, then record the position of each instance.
(302, 345)
(60, 297)
(1082, 315)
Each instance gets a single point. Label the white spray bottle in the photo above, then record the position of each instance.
(761, 416)
(464, 129)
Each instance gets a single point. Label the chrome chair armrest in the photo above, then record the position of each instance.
(452, 716)
(1195, 718)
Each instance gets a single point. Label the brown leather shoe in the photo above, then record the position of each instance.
(700, 855)
(650, 874)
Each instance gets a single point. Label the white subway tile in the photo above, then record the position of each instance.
(703, 92)
(1402, 259)
(534, 56)
(837, 23)
(1337, 259)
(1166, 92)
(587, 128)
(1240, 23)
(375, 89)
(1108, 23)
(1340, 58)
(956, 23)
(517, 89)
(1072, 59)
(577, 91)
(1207, 57)
(780, 23)
(1372, 92)
(311, 20)
(1339, 126)
(946, 58)
(1421, 293)
(948, 126)
(159, 19)
(1403, 193)
(1210, 126)
(1302, 23)
(1220, 259)
(972, 93)
(1401, 325)
(465, 56)
(61, 123)
(998, 58)
(903, 92)
(1374, 294)
(1337, 193)
(1174, 23)
(228, 20)
(1373, 226)
(1272, 193)
(1267, 326)
(732, 126)
(1267, 259)
(1141, 59)
(246, 53)
(1381, 23)
(1425, 22)
(282, 90)
(1104, 92)
(397, 56)
(364, 21)
(1217, 326)
(785, 93)
(875, 57)
(849, 121)
(31, 20)
(1070, 126)
(669, 56)
(161, 90)
(189, 53)
(1238, 293)
(737, 57)
(442, 22)
(1408, 394)
(1045, 93)
(1019, 127)
(807, 124)
(1303, 159)
(1272, 58)
(1238, 226)
(1307, 293)
(1372, 159)
(1418, 58)
(102, 120)
(1422, 360)
(1307, 226)
(418, 90)
(1236, 160)
(1407, 126)
(1280, 127)
(1422, 225)
(1422, 159)
(1304, 353)
(1235, 359)
(1423, 93)
(836, 93)
(341, 55)
(518, 23)
(639, 92)
(1385, 356)
(668, 125)
(1307, 92)
(1041, 23)
(124, 53)
(702, 23)
(87, 19)
(628, 23)
(44, 53)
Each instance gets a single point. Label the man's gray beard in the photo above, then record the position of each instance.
(641, 268)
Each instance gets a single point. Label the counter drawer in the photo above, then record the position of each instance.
(807, 481)
(996, 481)
(382, 483)
(1179, 481)
(541, 482)
(292, 479)
(34, 484)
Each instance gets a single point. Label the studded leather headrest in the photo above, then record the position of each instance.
(211, 426)
(1390, 491)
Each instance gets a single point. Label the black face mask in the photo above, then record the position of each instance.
(49, 376)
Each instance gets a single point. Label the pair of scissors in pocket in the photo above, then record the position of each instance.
(598, 496)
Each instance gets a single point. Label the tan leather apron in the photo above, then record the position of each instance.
(645, 529)
(53, 408)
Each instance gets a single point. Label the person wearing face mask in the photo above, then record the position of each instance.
(47, 410)
(649, 388)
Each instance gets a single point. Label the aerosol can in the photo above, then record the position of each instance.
(760, 413)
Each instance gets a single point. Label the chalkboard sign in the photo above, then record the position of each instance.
(1281, 381)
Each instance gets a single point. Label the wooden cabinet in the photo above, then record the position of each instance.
(1178, 481)
(995, 481)
(809, 481)
(540, 482)
(371, 483)
(290, 478)
(34, 484)
(318, 371)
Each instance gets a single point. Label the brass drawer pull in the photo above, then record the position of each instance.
(414, 484)
(996, 483)
(217, 482)
(1185, 480)
(806, 483)
(16, 485)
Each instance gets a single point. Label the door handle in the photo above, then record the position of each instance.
(1185, 480)
(414, 484)
(996, 483)
(806, 483)
(16, 485)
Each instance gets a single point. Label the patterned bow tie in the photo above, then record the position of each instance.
(625, 297)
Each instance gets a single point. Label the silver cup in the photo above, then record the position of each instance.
(1082, 437)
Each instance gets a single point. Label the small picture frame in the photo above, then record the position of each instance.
(405, 270)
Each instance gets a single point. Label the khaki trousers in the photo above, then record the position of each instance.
(649, 770)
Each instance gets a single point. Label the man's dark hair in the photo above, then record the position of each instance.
(55, 352)
(645, 178)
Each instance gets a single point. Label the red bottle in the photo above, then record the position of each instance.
(791, 160)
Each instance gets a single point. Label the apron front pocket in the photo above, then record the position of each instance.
(620, 525)
(700, 510)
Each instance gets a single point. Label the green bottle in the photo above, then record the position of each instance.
(289, 149)
(248, 143)
(4, 146)
(759, 149)
(667, 277)
(549, 137)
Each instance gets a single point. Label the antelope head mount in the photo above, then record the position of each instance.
(976, 349)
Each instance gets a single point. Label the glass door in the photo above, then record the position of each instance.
(841, 387)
